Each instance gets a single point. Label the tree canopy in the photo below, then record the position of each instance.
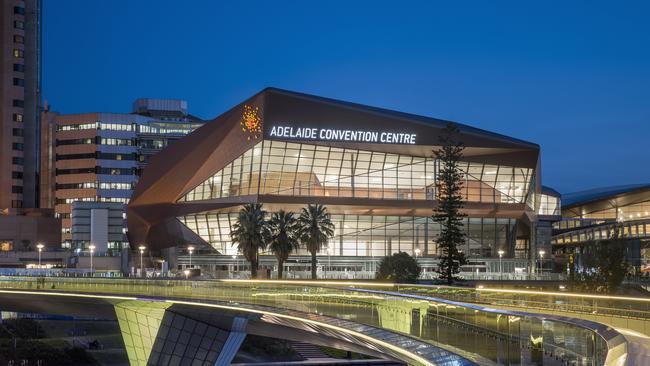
(250, 233)
(399, 267)
(283, 237)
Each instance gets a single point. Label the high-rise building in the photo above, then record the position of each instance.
(96, 158)
(20, 96)
(22, 224)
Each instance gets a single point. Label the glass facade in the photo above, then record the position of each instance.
(628, 230)
(549, 205)
(293, 169)
(635, 211)
(378, 236)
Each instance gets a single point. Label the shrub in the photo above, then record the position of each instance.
(400, 268)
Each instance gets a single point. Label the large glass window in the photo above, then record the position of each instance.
(365, 235)
(635, 211)
(549, 205)
(291, 169)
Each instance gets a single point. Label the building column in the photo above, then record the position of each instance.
(154, 334)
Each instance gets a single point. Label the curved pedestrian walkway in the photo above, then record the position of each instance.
(481, 334)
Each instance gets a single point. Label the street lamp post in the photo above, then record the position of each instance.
(191, 250)
(501, 253)
(236, 265)
(92, 250)
(541, 261)
(40, 249)
(329, 261)
(142, 249)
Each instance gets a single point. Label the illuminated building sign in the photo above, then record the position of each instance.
(250, 122)
(329, 134)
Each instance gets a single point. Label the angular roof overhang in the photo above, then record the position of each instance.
(599, 199)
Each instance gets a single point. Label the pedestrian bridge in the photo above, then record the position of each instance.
(167, 322)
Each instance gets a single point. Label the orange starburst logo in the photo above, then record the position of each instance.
(251, 122)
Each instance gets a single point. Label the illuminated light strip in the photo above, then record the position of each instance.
(565, 294)
(314, 283)
(371, 284)
(346, 296)
(392, 347)
(49, 293)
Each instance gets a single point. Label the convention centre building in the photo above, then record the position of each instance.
(374, 169)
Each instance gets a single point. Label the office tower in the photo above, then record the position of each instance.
(92, 162)
(20, 84)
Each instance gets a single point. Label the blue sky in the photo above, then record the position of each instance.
(572, 76)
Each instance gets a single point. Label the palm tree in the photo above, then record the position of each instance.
(314, 228)
(251, 233)
(284, 237)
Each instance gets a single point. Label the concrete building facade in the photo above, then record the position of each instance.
(93, 161)
(22, 225)
(20, 103)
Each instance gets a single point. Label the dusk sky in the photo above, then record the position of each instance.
(572, 76)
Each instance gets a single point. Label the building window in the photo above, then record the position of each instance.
(116, 142)
(19, 10)
(19, 82)
(75, 171)
(75, 127)
(82, 185)
(16, 189)
(19, 103)
(378, 236)
(309, 170)
(6, 245)
(19, 24)
(76, 156)
(16, 175)
(17, 117)
(16, 204)
(19, 39)
(18, 53)
(115, 127)
(17, 146)
(115, 185)
(17, 131)
(74, 142)
(17, 160)
(19, 68)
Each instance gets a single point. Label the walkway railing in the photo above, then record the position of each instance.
(475, 332)
(631, 313)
